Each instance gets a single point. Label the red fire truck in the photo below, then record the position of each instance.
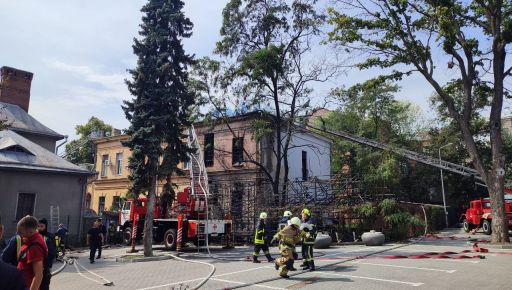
(479, 215)
(188, 217)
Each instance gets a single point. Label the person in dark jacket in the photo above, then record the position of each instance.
(52, 253)
(60, 235)
(94, 240)
(260, 240)
(11, 277)
(103, 230)
(9, 254)
(308, 233)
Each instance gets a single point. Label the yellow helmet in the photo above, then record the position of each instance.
(263, 215)
(287, 213)
(295, 221)
(306, 211)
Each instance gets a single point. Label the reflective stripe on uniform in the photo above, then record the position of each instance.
(257, 240)
(18, 247)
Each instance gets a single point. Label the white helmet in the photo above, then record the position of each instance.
(295, 221)
(263, 215)
(287, 213)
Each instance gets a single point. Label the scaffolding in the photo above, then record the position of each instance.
(244, 199)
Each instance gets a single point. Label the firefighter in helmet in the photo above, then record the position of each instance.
(260, 240)
(289, 236)
(287, 216)
(308, 233)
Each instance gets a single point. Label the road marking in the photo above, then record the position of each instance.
(239, 283)
(242, 271)
(352, 251)
(415, 284)
(406, 267)
(198, 279)
(452, 260)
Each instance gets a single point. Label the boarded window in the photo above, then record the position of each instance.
(26, 203)
(238, 150)
(209, 147)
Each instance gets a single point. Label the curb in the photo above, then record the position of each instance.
(492, 246)
(145, 259)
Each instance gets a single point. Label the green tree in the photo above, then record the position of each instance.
(161, 105)
(268, 43)
(371, 111)
(472, 37)
(82, 150)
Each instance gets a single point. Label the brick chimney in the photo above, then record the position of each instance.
(15, 86)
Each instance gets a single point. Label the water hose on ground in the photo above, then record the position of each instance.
(205, 279)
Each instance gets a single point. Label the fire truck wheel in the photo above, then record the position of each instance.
(486, 227)
(127, 236)
(466, 226)
(170, 238)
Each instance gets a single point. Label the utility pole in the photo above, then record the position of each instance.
(442, 184)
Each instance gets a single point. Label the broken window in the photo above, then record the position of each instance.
(238, 150)
(209, 146)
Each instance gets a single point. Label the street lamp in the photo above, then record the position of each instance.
(442, 184)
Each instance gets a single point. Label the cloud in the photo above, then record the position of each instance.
(89, 85)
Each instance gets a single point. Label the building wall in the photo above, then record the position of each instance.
(318, 153)
(506, 124)
(60, 190)
(110, 184)
(223, 145)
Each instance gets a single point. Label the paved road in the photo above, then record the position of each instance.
(339, 270)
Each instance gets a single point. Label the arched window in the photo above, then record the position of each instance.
(88, 200)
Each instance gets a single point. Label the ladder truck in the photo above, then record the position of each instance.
(191, 219)
(478, 215)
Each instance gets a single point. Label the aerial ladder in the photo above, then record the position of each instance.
(411, 155)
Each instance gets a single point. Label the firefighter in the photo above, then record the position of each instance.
(260, 240)
(289, 236)
(308, 233)
(286, 218)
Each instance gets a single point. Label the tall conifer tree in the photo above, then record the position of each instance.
(161, 105)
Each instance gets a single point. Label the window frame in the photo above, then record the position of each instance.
(237, 152)
(119, 163)
(305, 171)
(104, 165)
(99, 204)
(209, 151)
(16, 217)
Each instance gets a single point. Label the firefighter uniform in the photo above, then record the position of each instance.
(308, 234)
(289, 236)
(286, 220)
(260, 242)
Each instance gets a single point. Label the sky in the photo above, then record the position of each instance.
(79, 52)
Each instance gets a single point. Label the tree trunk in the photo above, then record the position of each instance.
(279, 159)
(148, 222)
(499, 218)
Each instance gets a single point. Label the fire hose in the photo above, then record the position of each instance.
(74, 261)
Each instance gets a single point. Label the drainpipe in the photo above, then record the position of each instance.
(63, 142)
(82, 209)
